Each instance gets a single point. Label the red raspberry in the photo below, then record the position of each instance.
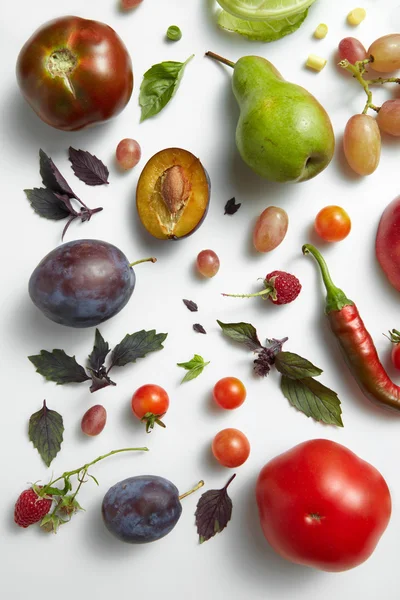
(30, 508)
(286, 287)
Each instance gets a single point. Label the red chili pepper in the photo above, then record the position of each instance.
(356, 343)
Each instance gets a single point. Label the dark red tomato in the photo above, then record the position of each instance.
(322, 506)
(231, 447)
(396, 356)
(229, 393)
(149, 403)
(74, 72)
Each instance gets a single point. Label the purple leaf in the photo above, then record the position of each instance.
(52, 177)
(231, 207)
(47, 204)
(87, 167)
(213, 512)
(192, 306)
(199, 328)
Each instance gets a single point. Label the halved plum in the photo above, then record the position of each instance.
(173, 194)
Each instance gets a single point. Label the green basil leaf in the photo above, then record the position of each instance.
(294, 366)
(313, 399)
(194, 367)
(244, 333)
(46, 433)
(159, 85)
(262, 31)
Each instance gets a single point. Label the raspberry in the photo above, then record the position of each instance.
(286, 287)
(30, 508)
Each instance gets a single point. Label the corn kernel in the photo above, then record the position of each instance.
(316, 62)
(321, 31)
(356, 16)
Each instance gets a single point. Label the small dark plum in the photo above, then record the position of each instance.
(141, 509)
(173, 194)
(82, 283)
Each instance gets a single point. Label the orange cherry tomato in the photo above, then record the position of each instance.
(332, 224)
(231, 448)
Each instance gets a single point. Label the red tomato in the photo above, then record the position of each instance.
(149, 403)
(231, 448)
(396, 356)
(322, 506)
(332, 224)
(74, 72)
(229, 393)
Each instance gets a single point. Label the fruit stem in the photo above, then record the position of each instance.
(221, 59)
(358, 70)
(196, 487)
(69, 474)
(335, 297)
(137, 262)
(381, 80)
(267, 291)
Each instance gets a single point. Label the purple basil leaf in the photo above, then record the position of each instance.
(213, 512)
(87, 167)
(100, 381)
(199, 328)
(52, 177)
(46, 430)
(47, 204)
(231, 207)
(192, 306)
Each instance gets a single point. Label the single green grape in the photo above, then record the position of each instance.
(174, 33)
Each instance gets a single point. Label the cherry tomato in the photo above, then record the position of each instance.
(332, 224)
(229, 393)
(149, 403)
(320, 505)
(396, 356)
(231, 448)
(74, 72)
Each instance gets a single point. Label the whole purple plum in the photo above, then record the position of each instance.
(141, 509)
(82, 283)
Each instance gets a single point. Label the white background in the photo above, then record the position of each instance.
(83, 559)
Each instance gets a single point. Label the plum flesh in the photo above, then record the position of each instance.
(141, 509)
(82, 283)
(387, 245)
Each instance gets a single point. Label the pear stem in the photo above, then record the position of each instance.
(221, 59)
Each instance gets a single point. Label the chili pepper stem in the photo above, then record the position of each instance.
(266, 292)
(196, 487)
(336, 299)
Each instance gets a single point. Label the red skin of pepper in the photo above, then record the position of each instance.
(356, 343)
(362, 358)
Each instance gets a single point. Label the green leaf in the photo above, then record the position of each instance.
(46, 432)
(99, 352)
(263, 31)
(159, 85)
(57, 366)
(294, 366)
(244, 333)
(313, 399)
(194, 367)
(136, 345)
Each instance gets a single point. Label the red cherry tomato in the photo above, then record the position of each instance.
(229, 393)
(149, 403)
(322, 506)
(332, 224)
(74, 72)
(231, 448)
(396, 356)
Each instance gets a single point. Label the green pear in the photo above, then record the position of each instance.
(284, 134)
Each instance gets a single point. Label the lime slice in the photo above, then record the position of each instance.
(262, 10)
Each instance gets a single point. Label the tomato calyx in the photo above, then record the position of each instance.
(314, 518)
(62, 63)
(394, 336)
(152, 419)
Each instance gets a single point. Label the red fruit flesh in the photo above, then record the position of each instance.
(387, 245)
(30, 508)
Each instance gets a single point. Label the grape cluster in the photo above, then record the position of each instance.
(362, 135)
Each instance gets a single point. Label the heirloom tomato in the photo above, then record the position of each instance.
(74, 72)
(322, 506)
